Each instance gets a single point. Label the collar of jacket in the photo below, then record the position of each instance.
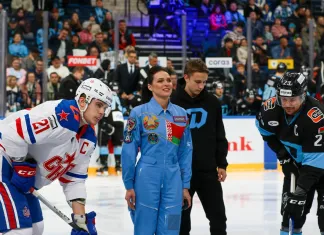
(156, 107)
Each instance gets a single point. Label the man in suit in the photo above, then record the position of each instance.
(152, 61)
(127, 77)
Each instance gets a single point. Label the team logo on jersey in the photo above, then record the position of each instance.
(273, 123)
(315, 114)
(179, 119)
(153, 138)
(26, 212)
(295, 130)
(63, 115)
(270, 103)
(151, 123)
(128, 138)
(131, 123)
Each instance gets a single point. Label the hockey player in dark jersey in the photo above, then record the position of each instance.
(225, 100)
(249, 104)
(292, 124)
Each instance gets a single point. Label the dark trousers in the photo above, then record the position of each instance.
(210, 193)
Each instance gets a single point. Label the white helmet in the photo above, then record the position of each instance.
(93, 88)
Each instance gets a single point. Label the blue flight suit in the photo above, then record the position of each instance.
(163, 170)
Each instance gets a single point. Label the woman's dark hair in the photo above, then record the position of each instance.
(146, 93)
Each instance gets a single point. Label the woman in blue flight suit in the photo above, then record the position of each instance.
(160, 180)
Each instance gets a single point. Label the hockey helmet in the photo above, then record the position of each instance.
(281, 67)
(93, 88)
(292, 84)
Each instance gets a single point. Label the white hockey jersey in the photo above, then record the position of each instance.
(50, 134)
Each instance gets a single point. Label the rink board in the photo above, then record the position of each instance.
(247, 150)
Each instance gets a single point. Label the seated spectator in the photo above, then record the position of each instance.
(95, 28)
(257, 25)
(58, 67)
(26, 5)
(267, 14)
(293, 5)
(108, 24)
(99, 11)
(299, 53)
(40, 37)
(13, 28)
(98, 42)
(242, 52)
(67, 27)
(259, 49)
(283, 11)
(267, 34)
(55, 21)
(205, 8)
(13, 94)
(76, 43)
(169, 64)
(29, 61)
(292, 31)
(282, 51)
(126, 37)
(20, 14)
(38, 71)
(228, 50)
(91, 70)
(17, 71)
(53, 86)
(70, 84)
(223, 4)
(17, 48)
(75, 23)
(278, 30)
(86, 35)
(297, 18)
(251, 6)
(104, 73)
(233, 17)
(260, 3)
(236, 35)
(308, 16)
(60, 45)
(217, 19)
(31, 91)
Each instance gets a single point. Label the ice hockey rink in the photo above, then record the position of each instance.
(252, 201)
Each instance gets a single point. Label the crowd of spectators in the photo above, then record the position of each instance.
(280, 30)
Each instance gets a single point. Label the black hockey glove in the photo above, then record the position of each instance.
(287, 163)
(294, 205)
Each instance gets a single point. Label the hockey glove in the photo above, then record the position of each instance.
(85, 222)
(287, 163)
(294, 205)
(23, 177)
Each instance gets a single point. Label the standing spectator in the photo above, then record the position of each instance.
(305, 37)
(31, 91)
(75, 23)
(29, 62)
(251, 6)
(60, 45)
(126, 37)
(267, 14)
(233, 17)
(157, 127)
(53, 86)
(55, 21)
(70, 84)
(13, 94)
(108, 24)
(58, 67)
(17, 71)
(282, 51)
(17, 48)
(152, 61)
(209, 146)
(278, 30)
(86, 35)
(26, 5)
(257, 25)
(99, 11)
(283, 11)
(217, 20)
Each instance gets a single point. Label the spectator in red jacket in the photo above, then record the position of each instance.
(217, 19)
(126, 37)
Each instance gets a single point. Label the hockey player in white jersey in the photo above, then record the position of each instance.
(52, 141)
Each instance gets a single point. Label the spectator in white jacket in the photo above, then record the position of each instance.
(27, 5)
(57, 67)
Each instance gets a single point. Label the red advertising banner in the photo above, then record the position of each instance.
(82, 61)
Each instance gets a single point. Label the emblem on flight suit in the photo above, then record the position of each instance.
(151, 122)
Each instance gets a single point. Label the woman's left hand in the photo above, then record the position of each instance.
(186, 197)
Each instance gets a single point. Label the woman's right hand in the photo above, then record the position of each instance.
(130, 198)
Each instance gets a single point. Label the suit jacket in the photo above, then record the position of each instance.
(127, 83)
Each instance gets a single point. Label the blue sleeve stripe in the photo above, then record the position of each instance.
(29, 129)
(76, 175)
(263, 131)
(314, 160)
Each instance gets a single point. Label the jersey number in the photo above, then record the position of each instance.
(318, 140)
(41, 126)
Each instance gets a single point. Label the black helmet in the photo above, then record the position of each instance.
(281, 67)
(250, 93)
(292, 84)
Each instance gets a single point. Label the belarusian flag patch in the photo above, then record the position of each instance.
(321, 130)
(174, 132)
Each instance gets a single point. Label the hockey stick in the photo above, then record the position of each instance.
(54, 209)
(292, 190)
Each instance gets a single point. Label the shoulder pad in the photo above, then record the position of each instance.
(269, 104)
(68, 114)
